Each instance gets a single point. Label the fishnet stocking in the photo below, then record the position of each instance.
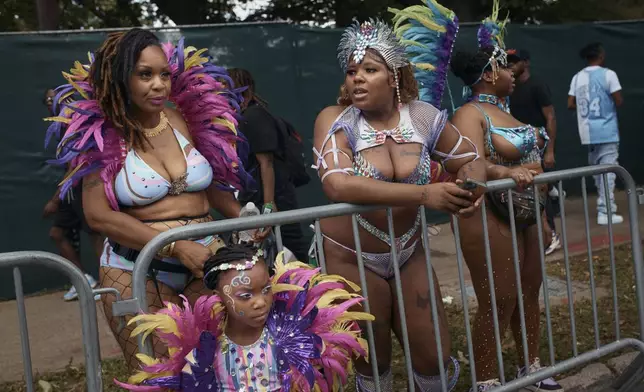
(122, 281)
(195, 289)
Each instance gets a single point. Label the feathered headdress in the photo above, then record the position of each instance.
(313, 332)
(491, 33)
(89, 142)
(373, 34)
(428, 34)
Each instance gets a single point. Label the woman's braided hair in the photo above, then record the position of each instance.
(469, 67)
(110, 74)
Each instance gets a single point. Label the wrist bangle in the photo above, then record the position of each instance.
(269, 206)
(167, 250)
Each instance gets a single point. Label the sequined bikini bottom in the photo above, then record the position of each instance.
(382, 264)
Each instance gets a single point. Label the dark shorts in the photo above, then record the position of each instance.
(66, 218)
(70, 213)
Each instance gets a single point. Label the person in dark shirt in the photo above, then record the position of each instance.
(531, 103)
(275, 190)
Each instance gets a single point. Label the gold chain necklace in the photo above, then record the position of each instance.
(156, 131)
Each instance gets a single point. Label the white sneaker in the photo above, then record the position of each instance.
(72, 294)
(488, 385)
(554, 244)
(602, 219)
(554, 192)
(549, 384)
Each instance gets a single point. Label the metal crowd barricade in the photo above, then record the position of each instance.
(195, 231)
(599, 351)
(632, 377)
(91, 346)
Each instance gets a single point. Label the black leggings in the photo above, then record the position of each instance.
(552, 205)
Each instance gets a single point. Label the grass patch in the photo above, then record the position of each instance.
(73, 379)
(560, 317)
(580, 269)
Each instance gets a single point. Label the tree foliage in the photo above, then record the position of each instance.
(16, 15)
(520, 11)
(20, 15)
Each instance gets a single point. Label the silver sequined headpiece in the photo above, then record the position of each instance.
(373, 34)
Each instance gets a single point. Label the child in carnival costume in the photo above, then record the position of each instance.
(289, 332)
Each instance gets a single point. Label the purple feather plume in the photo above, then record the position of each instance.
(312, 349)
(296, 346)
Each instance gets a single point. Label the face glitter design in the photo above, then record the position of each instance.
(237, 281)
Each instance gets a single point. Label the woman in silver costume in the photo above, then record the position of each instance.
(376, 147)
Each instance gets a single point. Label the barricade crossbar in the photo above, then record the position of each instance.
(316, 213)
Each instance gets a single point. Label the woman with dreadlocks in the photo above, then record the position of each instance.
(512, 150)
(376, 147)
(147, 168)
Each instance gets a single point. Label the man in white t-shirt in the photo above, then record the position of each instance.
(595, 93)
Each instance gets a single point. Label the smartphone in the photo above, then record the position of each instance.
(476, 187)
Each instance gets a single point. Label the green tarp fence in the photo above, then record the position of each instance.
(297, 72)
